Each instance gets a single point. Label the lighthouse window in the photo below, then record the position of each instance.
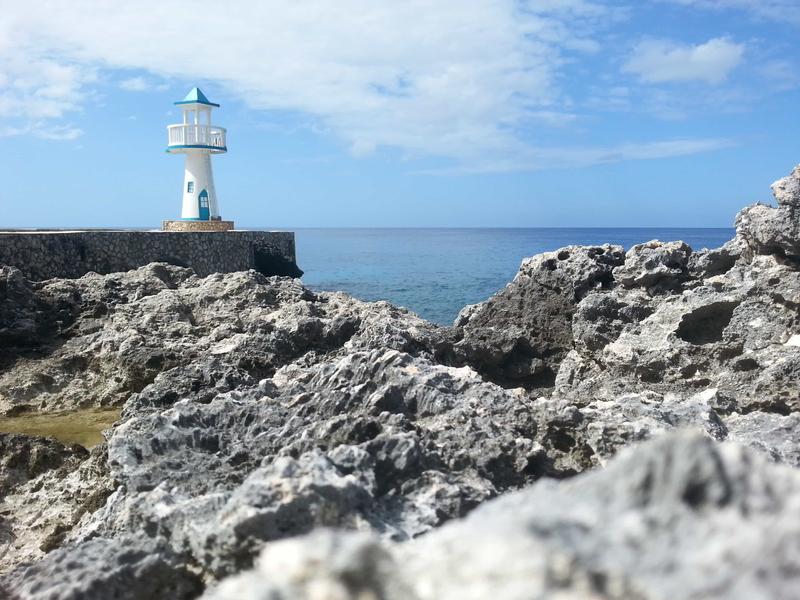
(190, 187)
(204, 201)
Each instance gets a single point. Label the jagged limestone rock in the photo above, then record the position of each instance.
(325, 565)
(680, 517)
(707, 263)
(766, 230)
(101, 338)
(379, 441)
(46, 488)
(128, 568)
(654, 265)
(787, 190)
(520, 335)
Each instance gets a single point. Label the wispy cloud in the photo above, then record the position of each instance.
(536, 159)
(56, 132)
(37, 89)
(662, 61)
(780, 11)
(141, 84)
(780, 74)
(43, 130)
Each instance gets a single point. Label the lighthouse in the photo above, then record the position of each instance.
(197, 139)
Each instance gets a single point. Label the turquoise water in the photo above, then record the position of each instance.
(435, 272)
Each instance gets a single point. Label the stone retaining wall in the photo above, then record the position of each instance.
(47, 254)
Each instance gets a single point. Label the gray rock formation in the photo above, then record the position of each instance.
(768, 230)
(681, 517)
(255, 410)
(149, 338)
(520, 335)
(96, 340)
(737, 333)
(46, 488)
(787, 190)
(376, 440)
(654, 265)
(126, 569)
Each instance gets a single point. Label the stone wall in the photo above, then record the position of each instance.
(46, 254)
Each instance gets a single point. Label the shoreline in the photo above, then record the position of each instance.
(613, 422)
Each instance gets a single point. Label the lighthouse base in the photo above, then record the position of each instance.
(197, 226)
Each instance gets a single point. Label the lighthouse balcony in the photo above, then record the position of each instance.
(184, 137)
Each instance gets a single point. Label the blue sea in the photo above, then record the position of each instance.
(436, 272)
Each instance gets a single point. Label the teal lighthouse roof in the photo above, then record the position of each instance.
(196, 96)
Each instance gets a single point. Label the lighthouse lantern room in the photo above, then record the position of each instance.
(198, 139)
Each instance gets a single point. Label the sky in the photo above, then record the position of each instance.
(401, 113)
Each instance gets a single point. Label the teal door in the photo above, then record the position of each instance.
(205, 213)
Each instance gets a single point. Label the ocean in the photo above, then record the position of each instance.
(436, 272)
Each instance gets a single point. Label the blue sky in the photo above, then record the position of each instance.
(409, 113)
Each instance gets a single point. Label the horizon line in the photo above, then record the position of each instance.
(366, 227)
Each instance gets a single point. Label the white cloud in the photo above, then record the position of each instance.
(780, 74)
(56, 132)
(36, 88)
(782, 11)
(534, 159)
(661, 61)
(427, 77)
(135, 84)
(43, 130)
(35, 91)
(141, 84)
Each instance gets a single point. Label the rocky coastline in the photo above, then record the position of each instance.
(611, 424)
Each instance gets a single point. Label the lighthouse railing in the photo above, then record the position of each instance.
(197, 135)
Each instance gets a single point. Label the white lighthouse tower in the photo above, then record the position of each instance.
(198, 139)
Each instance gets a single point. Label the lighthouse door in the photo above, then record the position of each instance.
(205, 214)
